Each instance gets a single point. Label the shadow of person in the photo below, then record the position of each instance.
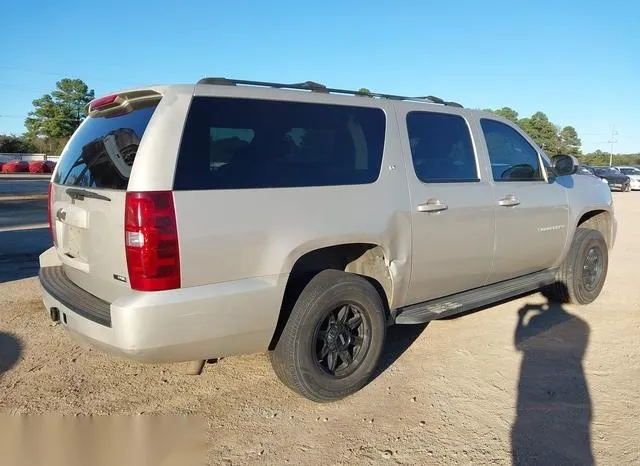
(553, 422)
(10, 351)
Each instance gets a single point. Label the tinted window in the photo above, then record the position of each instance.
(441, 147)
(512, 157)
(630, 171)
(101, 153)
(247, 143)
(607, 171)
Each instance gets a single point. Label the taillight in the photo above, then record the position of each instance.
(151, 241)
(50, 212)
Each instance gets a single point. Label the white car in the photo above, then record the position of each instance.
(633, 173)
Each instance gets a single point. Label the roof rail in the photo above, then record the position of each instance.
(316, 87)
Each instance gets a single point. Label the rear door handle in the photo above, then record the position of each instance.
(433, 205)
(509, 201)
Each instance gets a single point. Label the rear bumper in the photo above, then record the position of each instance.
(202, 322)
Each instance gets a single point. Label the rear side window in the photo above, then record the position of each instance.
(102, 151)
(246, 143)
(441, 147)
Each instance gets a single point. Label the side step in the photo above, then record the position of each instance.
(473, 299)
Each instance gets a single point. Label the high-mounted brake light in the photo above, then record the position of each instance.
(151, 241)
(102, 101)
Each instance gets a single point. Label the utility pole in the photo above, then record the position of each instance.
(612, 141)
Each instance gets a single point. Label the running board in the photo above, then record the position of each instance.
(473, 299)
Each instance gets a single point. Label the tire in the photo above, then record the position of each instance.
(627, 188)
(324, 317)
(583, 273)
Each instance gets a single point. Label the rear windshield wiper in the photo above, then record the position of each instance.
(80, 194)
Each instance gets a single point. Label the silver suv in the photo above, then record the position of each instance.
(228, 217)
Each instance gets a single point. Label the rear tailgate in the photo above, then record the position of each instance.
(89, 189)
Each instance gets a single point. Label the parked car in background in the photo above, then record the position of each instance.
(590, 171)
(633, 173)
(586, 170)
(41, 166)
(614, 178)
(15, 166)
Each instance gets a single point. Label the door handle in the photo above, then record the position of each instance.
(433, 205)
(509, 201)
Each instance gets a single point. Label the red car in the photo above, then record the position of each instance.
(15, 166)
(41, 166)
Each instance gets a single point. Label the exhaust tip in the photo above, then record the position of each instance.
(55, 314)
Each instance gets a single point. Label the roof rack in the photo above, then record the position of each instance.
(316, 87)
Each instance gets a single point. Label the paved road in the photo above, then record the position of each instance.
(22, 212)
(12, 186)
(19, 250)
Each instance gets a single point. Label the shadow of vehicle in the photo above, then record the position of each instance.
(399, 339)
(10, 351)
(553, 422)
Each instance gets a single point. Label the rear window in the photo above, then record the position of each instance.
(247, 143)
(630, 171)
(102, 151)
(607, 171)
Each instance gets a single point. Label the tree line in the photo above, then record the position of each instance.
(552, 138)
(56, 115)
(561, 140)
(54, 118)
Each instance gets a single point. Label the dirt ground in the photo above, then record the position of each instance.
(559, 387)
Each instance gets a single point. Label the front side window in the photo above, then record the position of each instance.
(441, 148)
(512, 157)
(233, 143)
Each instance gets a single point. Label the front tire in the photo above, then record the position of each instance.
(333, 339)
(583, 273)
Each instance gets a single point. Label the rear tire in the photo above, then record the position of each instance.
(331, 344)
(583, 273)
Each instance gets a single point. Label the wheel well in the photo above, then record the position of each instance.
(364, 259)
(598, 220)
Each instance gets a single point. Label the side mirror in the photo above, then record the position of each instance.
(564, 165)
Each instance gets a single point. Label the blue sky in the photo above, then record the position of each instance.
(579, 61)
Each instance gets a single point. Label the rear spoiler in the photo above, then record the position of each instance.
(123, 102)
